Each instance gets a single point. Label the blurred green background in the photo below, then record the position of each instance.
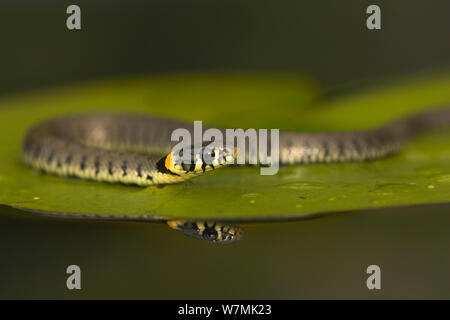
(319, 258)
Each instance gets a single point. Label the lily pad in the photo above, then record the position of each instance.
(419, 174)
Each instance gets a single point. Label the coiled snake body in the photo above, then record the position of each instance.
(136, 149)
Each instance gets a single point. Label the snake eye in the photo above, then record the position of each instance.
(210, 234)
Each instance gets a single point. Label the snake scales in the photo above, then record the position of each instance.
(136, 149)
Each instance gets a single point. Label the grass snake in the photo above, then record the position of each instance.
(136, 149)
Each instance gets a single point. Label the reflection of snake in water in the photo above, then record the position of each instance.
(120, 148)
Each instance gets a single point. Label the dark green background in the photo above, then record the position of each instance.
(319, 258)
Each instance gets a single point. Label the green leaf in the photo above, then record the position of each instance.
(419, 174)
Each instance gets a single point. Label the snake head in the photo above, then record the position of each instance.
(189, 161)
(214, 232)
